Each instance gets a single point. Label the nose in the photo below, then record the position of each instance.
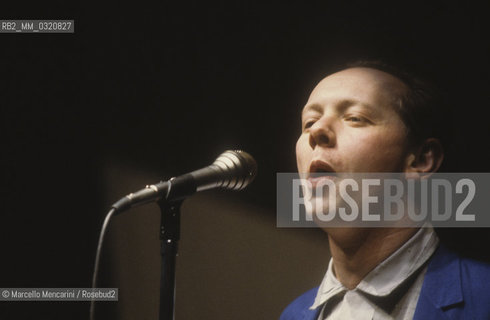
(322, 134)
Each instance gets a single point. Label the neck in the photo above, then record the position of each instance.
(356, 251)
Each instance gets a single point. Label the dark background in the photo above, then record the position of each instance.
(167, 86)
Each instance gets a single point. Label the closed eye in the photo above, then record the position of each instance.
(308, 124)
(357, 119)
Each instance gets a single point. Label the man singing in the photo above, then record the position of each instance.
(374, 118)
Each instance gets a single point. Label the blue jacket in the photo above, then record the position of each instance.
(453, 288)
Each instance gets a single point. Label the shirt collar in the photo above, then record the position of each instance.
(390, 273)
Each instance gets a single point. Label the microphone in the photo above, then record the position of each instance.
(233, 169)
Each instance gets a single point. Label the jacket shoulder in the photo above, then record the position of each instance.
(299, 309)
(475, 283)
(456, 287)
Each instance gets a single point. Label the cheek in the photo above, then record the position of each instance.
(380, 152)
(303, 152)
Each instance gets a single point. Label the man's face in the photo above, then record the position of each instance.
(349, 124)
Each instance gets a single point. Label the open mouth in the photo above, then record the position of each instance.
(320, 171)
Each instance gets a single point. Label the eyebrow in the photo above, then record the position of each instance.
(342, 104)
(312, 107)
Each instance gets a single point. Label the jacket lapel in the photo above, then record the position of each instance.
(441, 290)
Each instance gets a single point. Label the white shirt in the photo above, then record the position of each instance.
(389, 291)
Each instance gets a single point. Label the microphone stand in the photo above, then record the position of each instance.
(169, 237)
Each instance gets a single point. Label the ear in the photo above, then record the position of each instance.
(426, 159)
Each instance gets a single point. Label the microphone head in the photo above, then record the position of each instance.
(240, 168)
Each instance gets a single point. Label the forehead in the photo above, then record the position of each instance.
(365, 85)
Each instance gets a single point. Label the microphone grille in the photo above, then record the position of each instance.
(240, 169)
